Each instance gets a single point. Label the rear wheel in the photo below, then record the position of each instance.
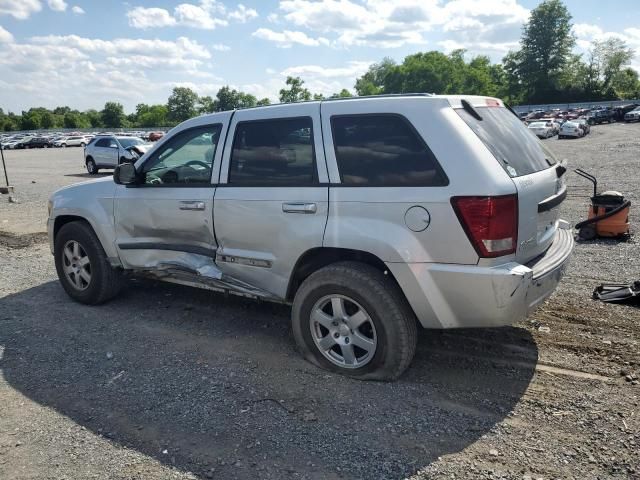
(82, 265)
(352, 319)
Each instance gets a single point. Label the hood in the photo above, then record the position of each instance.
(99, 187)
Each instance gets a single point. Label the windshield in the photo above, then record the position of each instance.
(511, 143)
(130, 142)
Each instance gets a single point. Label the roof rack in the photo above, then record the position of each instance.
(356, 97)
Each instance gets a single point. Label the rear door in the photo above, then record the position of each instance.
(271, 203)
(538, 177)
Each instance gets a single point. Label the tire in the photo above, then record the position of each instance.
(390, 325)
(45, 146)
(104, 281)
(92, 168)
(83, 144)
(64, 145)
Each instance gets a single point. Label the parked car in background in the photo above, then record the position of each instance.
(468, 235)
(110, 151)
(33, 142)
(555, 123)
(571, 129)
(632, 115)
(582, 122)
(598, 116)
(621, 111)
(155, 136)
(72, 141)
(9, 144)
(542, 129)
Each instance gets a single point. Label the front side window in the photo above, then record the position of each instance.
(186, 159)
(276, 152)
(103, 142)
(383, 150)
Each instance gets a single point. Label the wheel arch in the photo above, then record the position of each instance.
(62, 220)
(316, 258)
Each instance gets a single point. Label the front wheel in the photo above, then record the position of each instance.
(92, 167)
(82, 265)
(351, 319)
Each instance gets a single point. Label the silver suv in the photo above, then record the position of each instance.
(107, 151)
(370, 216)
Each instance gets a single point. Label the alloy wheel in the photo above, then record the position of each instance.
(343, 331)
(76, 265)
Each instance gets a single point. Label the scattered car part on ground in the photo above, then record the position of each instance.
(618, 293)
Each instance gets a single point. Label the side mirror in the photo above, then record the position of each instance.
(125, 174)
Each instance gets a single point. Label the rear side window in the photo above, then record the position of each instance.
(514, 146)
(383, 150)
(276, 152)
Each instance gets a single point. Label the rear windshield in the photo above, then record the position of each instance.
(514, 146)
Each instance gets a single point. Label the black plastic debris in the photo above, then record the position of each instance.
(618, 293)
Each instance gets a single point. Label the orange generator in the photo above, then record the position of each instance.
(608, 213)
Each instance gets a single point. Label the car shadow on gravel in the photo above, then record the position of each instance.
(213, 385)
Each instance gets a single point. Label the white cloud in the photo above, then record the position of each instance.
(352, 70)
(197, 17)
(220, 47)
(85, 72)
(57, 5)
(288, 38)
(243, 14)
(143, 18)
(20, 9)
(385, 24)
(328, 80)
(5, 36)
(77, 10)
(206, 15)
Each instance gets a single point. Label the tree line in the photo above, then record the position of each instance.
(182, 104)
(544, 69)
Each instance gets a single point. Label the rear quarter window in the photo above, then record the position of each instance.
(383, 150)
(511, 143)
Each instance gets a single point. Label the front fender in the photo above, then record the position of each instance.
(92, 201)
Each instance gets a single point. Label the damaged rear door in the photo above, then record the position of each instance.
(166, 221)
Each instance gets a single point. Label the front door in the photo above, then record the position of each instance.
(106, 152)
(167, 221)
(272, 201)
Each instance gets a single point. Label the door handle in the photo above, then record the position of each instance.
(299, 208)
(192, 205)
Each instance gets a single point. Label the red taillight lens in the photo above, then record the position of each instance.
(491, 223)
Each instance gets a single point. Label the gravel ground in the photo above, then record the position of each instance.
(172, 382)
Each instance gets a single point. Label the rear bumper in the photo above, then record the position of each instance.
(461, 296)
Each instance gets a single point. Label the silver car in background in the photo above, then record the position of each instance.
(371, 216)
(108, 151)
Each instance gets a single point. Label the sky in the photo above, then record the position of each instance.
(82, 53)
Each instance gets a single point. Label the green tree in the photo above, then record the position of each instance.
(373, 81)
(30, 121)
(545, 47)
(206, 105)
(626, 85)
(153, 116)
(94, 118)
(344, 93)
(608, 58)
(71, 120)
(262, 102)
(295, 91)
(112, 115)
(231, 99)
(182, 104)
(47, 121)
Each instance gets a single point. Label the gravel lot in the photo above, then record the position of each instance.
(170, 382)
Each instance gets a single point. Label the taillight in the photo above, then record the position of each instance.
(491, 223)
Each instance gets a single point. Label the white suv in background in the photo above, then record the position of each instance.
(74, 141)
